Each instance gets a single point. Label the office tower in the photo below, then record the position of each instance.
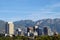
(6, 28)
(30, 31)
(38, 30)
(50, 33)
(19, 31)
(45, 29)
(9, 28)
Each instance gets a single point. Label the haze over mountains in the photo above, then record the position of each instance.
(23, 24)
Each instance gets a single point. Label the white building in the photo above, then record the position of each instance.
(36, 27)
(9, 28)
(50, 33)
(35, 33)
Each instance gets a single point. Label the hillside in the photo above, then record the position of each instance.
(52, 23)
(23, 24)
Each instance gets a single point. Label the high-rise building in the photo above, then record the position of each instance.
(9, 28)
(30, 31)
(38, 30)
(50, 33)
(18, 31)
(6, 28)
(45, 29)
(34, 31)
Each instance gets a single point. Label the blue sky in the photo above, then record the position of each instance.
(14, 10)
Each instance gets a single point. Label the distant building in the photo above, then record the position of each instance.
(50, 33)
(18, 31)
(47, 31)
(30, 31)
(9, 28)
(38, 30)
(35, 33)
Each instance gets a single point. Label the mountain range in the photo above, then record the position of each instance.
(23, 24)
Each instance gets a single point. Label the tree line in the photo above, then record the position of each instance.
(31, 38)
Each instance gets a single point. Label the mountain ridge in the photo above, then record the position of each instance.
(23, 24)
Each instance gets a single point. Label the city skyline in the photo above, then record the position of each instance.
(14, 10)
